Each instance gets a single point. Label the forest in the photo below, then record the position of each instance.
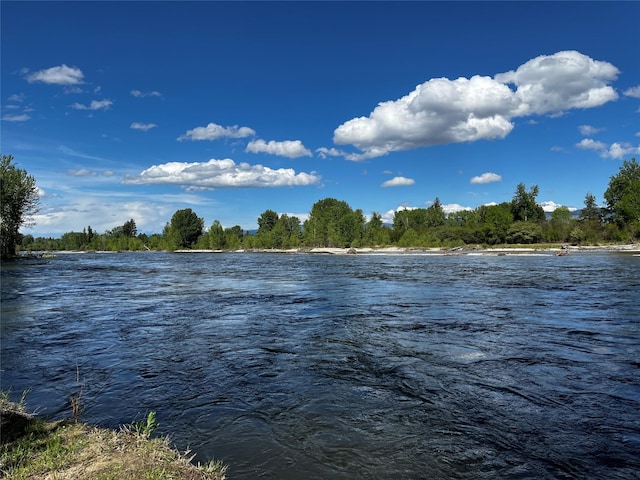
(334, 223)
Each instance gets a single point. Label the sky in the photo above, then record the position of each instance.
(136, 110)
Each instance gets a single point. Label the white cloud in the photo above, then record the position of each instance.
(214, 131)
(287, 148)
(621, 150)
(324, 152)
(587, 130)
(550, 206)
(632, 92)
(143, 126)
(562, 81)
(398, 182)
(94, 105)
(617, 150)
(17, 97)
(455, 207)
(221, 174)
(23, 117)
(487, 177)
(442, 111)
(590, 144)
(82, 172)
(140, 94)
(60, 75)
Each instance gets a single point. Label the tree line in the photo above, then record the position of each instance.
(333, 223)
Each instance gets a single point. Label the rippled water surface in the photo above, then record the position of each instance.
(359, 366)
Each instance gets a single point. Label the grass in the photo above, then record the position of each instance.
(32, 448)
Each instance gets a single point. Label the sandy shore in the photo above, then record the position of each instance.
(467, 250)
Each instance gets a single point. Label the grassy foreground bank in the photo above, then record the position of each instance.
(32, 448)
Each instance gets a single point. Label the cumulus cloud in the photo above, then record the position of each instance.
(617, 150)
(632, 92)
(214, 131)
(487, 177)
(221, 174)
(442, 111)
(287, 148)
(621, 150)
(94, 105)
(590, 144)
(22, 117)
(398, 182)
(550, 206)
(562, 81)
(455, 207)
(589, 130)
(140, 94)
(60, 75)
(143, 126)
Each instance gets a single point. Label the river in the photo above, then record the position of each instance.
(403, 366)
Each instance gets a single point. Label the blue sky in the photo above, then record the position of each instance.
(135, 110)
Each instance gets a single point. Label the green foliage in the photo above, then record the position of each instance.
(561, 225)
(524, 232)
(217, 236)
(375, 233)
(332, 223)
(19, 200)
(184, 229)
(144, 428)
(524, 207)
(623, 194)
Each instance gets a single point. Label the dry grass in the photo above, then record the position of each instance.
(31, 448)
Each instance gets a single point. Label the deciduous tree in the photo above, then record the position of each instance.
(185, 228)
(19, 200)
(623, 195)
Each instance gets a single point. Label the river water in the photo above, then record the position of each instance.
(358, 366)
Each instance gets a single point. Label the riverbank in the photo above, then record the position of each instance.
(463, 250)
(31, 447)
(500, 250)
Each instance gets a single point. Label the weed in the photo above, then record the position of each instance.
(143, 428)
(76, 398)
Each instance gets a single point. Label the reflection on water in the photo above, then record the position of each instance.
(303, 366)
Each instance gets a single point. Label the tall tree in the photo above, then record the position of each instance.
(623, 194)
(19, 200)
(185, 228)
(217, 236)
(524, 206)
(326, 226)
(267, 221)
(129, 228)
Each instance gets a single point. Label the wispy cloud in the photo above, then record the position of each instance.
(287, 148)
(487, 177)
(214, 131)
(632, 92)
(442, 111)
(221, 174)
(140, 94)
(587, 130)
(143, 126)
(94, 105)
(22, 117)
(398, 182)
(60, 75)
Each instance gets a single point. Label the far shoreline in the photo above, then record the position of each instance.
(501, 250)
